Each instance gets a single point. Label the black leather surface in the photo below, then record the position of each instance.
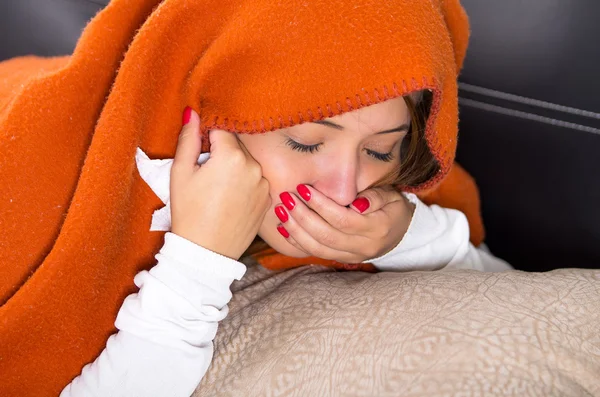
(546, 49)
(43, 27)
(537, 163)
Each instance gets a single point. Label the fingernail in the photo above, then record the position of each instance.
(187, 115)
(303, 191)
(281, 214)
(287, 200)
(283, 232)
(361, 204)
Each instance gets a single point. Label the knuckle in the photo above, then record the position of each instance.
(377, 197)
(369, 251)
(236, 158)
(341, 221)
(326, 238)
(255, 170)
(382, 231)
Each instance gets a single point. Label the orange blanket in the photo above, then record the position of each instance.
(74, 213)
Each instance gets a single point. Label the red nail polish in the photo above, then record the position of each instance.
(287, 200)
(283, 232)
(361, 204)
(281, 214)
(303, 191)
(187, 115)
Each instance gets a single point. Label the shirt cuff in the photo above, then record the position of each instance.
(196, 273)
(428, 242)
(195, 259)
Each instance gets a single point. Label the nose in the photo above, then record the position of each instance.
(338, 179)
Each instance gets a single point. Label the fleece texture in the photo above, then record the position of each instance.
(74, 212)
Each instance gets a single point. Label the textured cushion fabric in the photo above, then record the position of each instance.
(311, 331)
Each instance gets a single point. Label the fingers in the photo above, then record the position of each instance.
(222, 141)
(320, 226)
(301, 239)
(227, 147)
(338, 216)
(290, 239)
(374, 199)
(189, 143)
(243, 147)
(311, 232)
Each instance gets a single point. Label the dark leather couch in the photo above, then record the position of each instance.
(530, 116)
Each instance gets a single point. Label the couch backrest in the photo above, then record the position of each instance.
(530, 128)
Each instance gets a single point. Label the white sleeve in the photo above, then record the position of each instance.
(437, 238)
(164, 344)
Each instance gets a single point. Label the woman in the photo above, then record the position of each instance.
(305, 191)
(310, 85)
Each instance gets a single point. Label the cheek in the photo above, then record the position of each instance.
(375, 171)
(277, 166)
(282, 173)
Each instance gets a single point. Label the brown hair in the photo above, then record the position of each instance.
(417, 164)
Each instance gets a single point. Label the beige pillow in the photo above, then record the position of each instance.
(314, 332)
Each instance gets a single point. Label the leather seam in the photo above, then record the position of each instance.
(526, 101)
(526, 115)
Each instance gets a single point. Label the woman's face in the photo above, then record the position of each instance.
(339, 156)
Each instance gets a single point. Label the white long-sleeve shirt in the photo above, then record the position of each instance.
(437, 238)
(164, 343)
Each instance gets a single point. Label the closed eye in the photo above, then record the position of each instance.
(385, 157)
(302, 148)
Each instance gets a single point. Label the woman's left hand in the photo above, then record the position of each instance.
(320, 227)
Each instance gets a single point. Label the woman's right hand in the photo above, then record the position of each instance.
(221, 204)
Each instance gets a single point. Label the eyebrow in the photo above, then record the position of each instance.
(403, 127)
